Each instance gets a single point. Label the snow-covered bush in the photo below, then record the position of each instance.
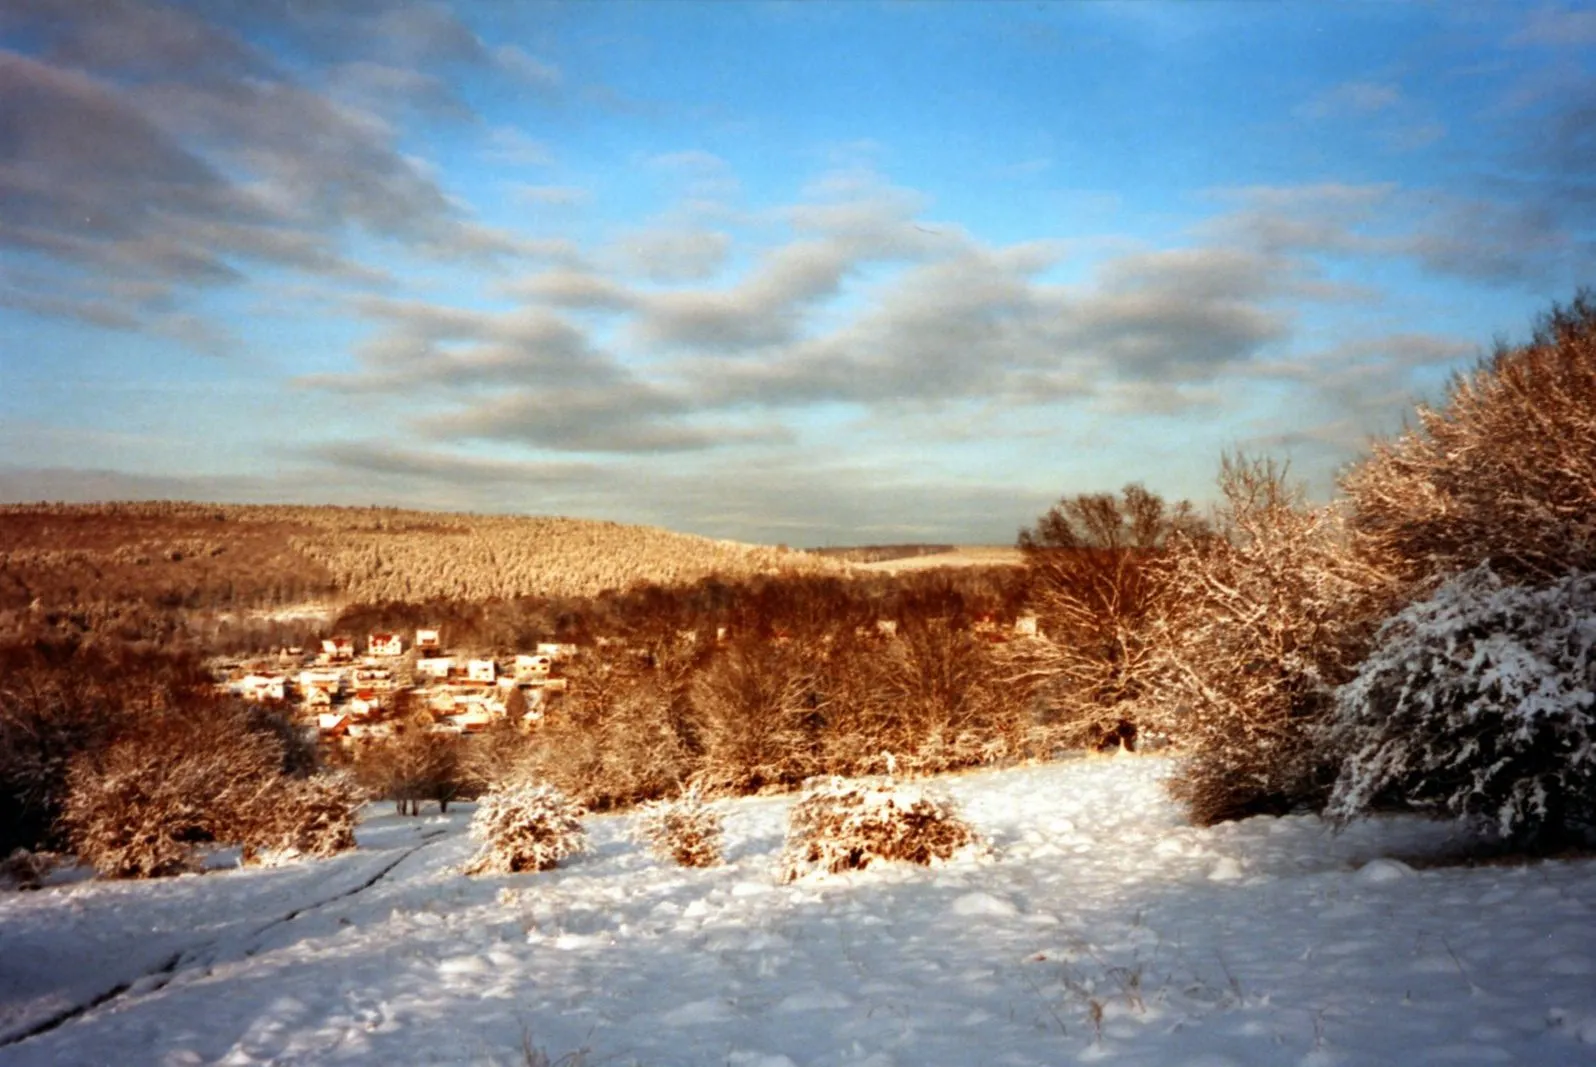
(841, 824)
(1478, 700)
(1258, 626)
(312, 817)
(525, 827)
(686, 830)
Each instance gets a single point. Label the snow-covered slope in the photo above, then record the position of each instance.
(1101, 928)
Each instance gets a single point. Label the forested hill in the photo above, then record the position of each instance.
(183, 555)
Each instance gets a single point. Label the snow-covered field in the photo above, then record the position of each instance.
(1101, 929)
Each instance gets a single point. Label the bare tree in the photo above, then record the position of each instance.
(1094, 588)
(417, 764)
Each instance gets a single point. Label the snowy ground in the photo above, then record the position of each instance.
(1101, 930)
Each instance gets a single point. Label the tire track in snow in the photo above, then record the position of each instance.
(161, 976)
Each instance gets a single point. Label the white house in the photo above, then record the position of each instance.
(385, 645)
(375, 678)
(1025, 626)
(556, 651)
(330, 682)
(473, 721)
(338, 648)
(263, 687)
(533, 666)
(427, 641)
(482, 670)
(435, 666)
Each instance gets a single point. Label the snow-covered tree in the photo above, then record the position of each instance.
(525, 827)
(1478, 700)
(1258, 627)
(1092, 569)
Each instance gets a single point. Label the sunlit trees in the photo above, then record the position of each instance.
(1094, 585)
(1258, 625)
(1503, 471)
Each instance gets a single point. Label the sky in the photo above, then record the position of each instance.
(801, 273)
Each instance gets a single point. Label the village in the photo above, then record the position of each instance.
(346, 697)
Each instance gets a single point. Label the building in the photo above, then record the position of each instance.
(428, 642)
(384, 645)
(326, 681)
(263, 687)
(482, 670)
(435, 666)
(533, 666)
(1025, 626)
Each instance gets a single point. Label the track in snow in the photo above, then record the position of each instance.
(159, 977)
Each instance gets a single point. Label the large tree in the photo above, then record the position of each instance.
(1093, 586)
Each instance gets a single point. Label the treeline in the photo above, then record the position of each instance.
(736, 686)
(797, 606)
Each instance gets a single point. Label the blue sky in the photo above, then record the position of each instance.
(797, 272)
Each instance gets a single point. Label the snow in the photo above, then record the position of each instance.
(1099, 928)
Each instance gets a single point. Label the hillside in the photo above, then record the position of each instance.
(1102, 927)
(183, 555)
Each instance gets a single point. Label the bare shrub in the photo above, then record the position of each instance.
(758, 717)
(1095, 587)
(686, 830)
(1259, 626)
(308, 817)
(526, 827)
(28, 870)
(138, 808)
(1504, 471)
(842, 824)
(1477, 701)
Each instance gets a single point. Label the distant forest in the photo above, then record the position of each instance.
(138, 571)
